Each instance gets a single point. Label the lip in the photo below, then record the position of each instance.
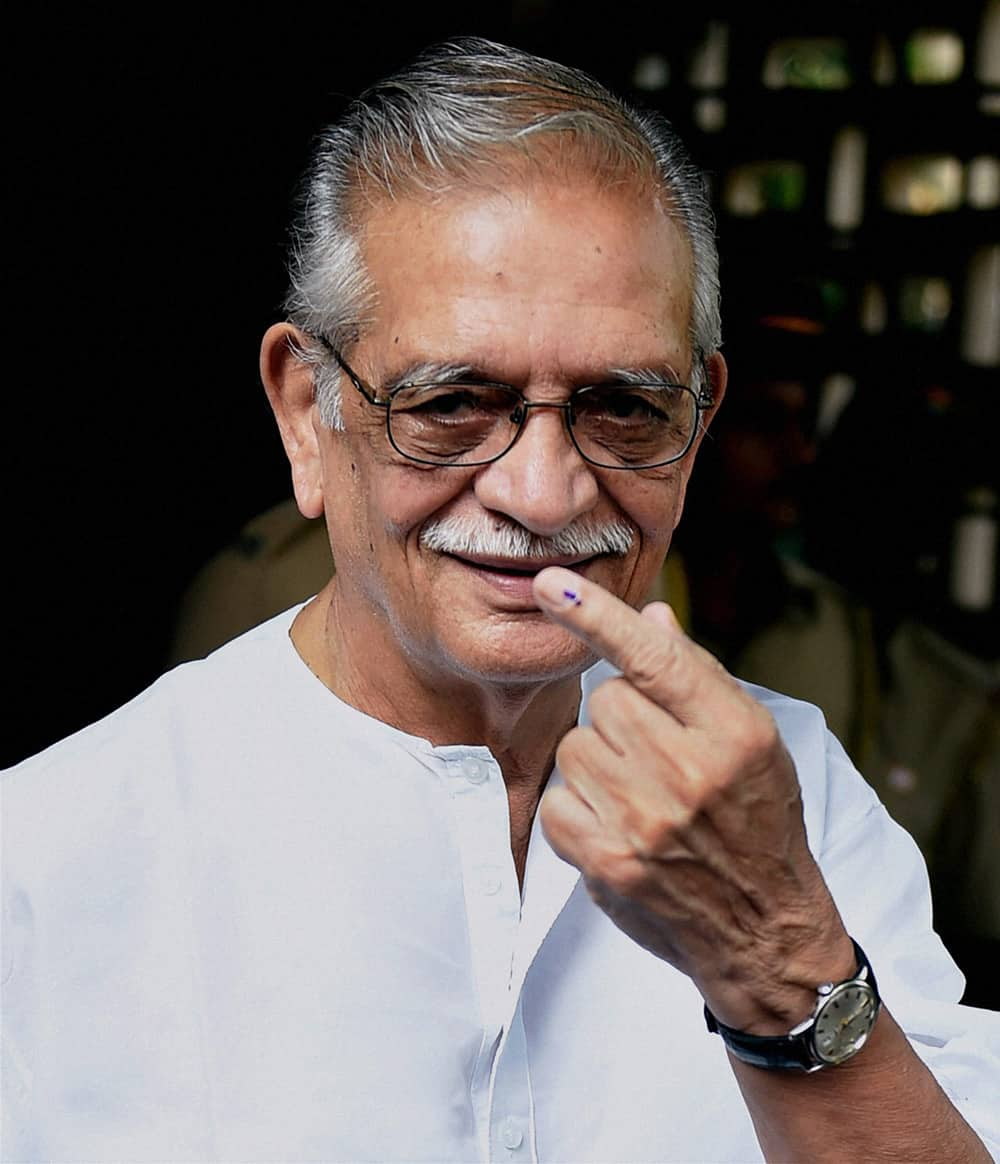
(511, 579)
(518, 565)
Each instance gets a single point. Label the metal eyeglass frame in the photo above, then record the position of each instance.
(702, 400)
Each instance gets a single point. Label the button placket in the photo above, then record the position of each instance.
(482, 831)
(490, 880)
(492, 901)
(512, 1134)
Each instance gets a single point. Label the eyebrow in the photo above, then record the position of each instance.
(664, 376)
(431, 372)
(441, 373)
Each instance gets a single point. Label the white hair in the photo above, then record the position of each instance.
(505, 539)
(460, 108)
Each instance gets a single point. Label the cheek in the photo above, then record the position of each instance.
(392, 501)
(347, 502)
(653, 503)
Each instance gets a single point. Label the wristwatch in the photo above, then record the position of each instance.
(837, 1029)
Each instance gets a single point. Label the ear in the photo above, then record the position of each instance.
(718, 376)
(288, 382)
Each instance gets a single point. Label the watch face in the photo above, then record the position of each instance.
(844, 1022)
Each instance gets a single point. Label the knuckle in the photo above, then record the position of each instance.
(648, 658)
(607, 697)
(650, 836)
(755, 732)
(613, 874)
(572, 749)
(602, 698)
(628, 881)
(553, 807)
(602, 866)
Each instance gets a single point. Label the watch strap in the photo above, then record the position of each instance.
(775, 1052)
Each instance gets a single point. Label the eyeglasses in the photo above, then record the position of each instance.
(614, 426)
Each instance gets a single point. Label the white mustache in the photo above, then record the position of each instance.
(455, 535)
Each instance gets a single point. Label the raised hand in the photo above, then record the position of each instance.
(681, 807)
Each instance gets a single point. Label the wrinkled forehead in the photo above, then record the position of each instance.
(539, 221)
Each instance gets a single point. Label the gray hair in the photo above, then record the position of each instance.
(460, 108)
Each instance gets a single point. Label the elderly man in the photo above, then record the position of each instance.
(467, 858)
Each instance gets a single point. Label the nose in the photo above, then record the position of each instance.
(542, 483)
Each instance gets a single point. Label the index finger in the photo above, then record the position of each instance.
(651, 650)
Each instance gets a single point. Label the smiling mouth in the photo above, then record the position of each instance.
(520, 567)
(515, 572)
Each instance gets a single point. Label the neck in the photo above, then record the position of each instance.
(521, 723)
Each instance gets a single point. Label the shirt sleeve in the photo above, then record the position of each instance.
(878, 878)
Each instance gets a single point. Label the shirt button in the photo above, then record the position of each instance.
(476, 772)
(511, 1134)
(491, 882)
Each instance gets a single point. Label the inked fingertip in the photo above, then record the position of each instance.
(558, 588)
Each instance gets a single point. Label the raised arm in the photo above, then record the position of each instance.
(682, 809)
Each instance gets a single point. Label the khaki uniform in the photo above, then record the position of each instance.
(278, 559)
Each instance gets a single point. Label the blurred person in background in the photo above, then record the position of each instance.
(919, 717)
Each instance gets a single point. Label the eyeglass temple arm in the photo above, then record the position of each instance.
(704, 395)
(354, 378)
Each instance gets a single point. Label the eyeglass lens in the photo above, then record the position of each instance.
(615, 426)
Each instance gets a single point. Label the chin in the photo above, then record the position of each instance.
(514, 655)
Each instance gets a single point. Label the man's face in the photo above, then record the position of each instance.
(546, 288)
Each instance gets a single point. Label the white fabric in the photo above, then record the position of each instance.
(246, 922)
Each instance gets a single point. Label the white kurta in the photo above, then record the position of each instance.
(246, 922)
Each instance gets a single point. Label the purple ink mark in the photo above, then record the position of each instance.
(572, 596)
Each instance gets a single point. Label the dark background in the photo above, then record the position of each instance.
(152, 165)
(152, 162)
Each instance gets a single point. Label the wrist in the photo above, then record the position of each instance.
(838, 1026)
(777, 992)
